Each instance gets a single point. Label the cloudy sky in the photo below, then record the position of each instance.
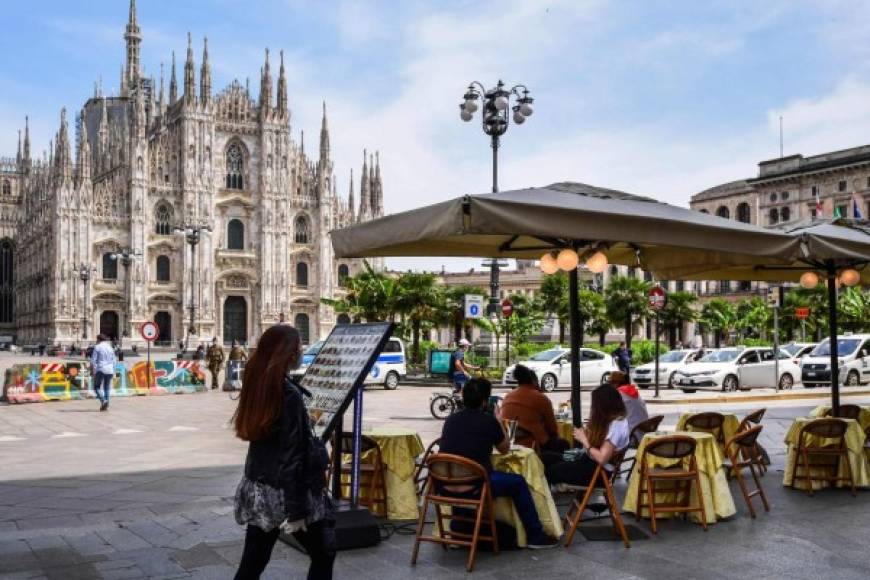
(662, 98)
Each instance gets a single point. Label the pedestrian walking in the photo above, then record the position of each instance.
(215, 360)
(283, 485)
(235, 364)
(200, 352)
(103, 362)
(623, 358)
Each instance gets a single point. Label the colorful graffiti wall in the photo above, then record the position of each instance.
(37, 382)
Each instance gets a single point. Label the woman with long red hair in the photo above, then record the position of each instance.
(283, 486)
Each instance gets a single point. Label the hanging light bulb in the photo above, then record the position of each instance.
(597, 262)
(548, 264)
(809, 280)
(567, 259)
(850, 277)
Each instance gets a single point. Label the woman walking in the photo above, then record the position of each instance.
(283, 485)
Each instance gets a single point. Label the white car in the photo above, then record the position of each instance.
(388, 370)
(553, 368)
(730, 369)
(853, 352)
(644, 375)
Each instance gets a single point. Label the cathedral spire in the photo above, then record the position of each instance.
(205, 75)
(83, 151)
(173, 83)
(189, 73)
(133, 37)
(282, 87)
(266, 86)
(324, 137)
(18, 155)
(364, 189)
(63, 154)
(350, 198)
(26, 140)
(160, 93)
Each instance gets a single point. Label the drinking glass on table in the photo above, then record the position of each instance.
(512, 430)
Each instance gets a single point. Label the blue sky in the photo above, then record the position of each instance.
(662, 98)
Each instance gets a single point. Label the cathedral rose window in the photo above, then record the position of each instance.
(163, 219)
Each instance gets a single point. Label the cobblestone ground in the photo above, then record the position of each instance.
(144, 491)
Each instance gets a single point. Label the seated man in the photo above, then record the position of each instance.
(472, 433)
(533, 412)
(635, 406)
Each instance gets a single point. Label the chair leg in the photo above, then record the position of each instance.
(809, 478)
(755, 477)
(421, 523)
(849, 470)
(650, 490)
(439, 520)
(794, 466)
(738, 475)
(494, 532)
(701, 498)
(475, 537)
(614, 512)
(572, 520)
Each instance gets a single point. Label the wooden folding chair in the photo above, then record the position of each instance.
(372, 474)
(651, 425)
(750, 420)
(680, 477)
(740, 450)
(827, 454)
(420, 472)
(846, 412)
(709, 422)
(600, 478)
(457, 482)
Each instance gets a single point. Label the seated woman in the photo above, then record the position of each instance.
(606, 434)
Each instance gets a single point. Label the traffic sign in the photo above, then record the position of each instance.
(802, 313)
(775, 296)
(473, 306)
(657, 298)
(507, 307)
(149, 331)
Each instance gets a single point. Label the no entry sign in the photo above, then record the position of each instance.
(149, 331)
(657, 298)
(802, 313)
(507, 307)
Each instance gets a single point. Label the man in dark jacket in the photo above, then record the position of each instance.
(623, 358)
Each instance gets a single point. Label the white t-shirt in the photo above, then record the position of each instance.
(619, 435)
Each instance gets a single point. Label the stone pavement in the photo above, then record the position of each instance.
(144, 491)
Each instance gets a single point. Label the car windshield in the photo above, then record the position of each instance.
(673, 356)
(546, 355)
(792, 348)
(314, 348)
(845, 346)
(720, 356)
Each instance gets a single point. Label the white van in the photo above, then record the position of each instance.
(388, 370)
(853, 352)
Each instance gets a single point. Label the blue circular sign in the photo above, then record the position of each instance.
(375, 371)
(474, 309)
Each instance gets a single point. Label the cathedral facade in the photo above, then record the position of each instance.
(195, 210)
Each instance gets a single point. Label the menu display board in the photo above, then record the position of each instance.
(339, 369)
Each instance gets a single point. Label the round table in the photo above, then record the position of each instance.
(566, 431)
(854, 443)
(729, 426)
(718, 502)
(399, 448)
(863, 416)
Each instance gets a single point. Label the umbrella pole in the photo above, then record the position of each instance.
(832, 323)
(574, 307)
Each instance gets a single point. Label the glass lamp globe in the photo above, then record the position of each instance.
(465, 115)
(850, 277)
(527, 109)
(471, 105)
(518, 118)
(548, 264)
(809, 280)
(501, 103)
(597, 263)
(567, 260)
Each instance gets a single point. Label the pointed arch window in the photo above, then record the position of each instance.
(163, 270)
(343, 275)
(235, 235)
(163, 219)
(235, 167)
(302, 231)
(302, 324)
(7, 187)
(302, 274)
(110, 266)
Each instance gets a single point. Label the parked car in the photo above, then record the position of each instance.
(853, 352)
(644, 375)
(730, 369)
(553, 368)
(388, 370)
(798, 350)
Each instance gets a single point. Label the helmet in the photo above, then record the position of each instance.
(464, 342)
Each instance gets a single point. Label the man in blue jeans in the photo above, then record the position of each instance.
(472, 433)
(103, 365)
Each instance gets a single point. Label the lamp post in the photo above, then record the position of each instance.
(495, 119)
(126, 257)
(192, 234)
(84, 271)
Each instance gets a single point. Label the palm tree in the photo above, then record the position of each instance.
(417, 298)
(854, 307)
(553, 300)
(454, 308)
(369, 296)
(718, 316)
(754, 315)
(679, 309)
(816, 300)
(626, 298)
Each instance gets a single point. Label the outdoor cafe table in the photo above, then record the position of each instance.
(399, 447)
(566, 431)
(718, 502)
(863, 416)
(729, 426)
(525, 462)
(854, 443)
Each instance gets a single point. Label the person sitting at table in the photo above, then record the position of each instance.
(606, 433)
(472, 433)
(533, 412)
(492, 402)
(635, 406)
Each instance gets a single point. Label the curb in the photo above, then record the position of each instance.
(784, 396)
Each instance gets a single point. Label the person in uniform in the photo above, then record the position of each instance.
(215, 358)
(234, 365)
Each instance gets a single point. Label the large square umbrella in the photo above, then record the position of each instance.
(593, 222)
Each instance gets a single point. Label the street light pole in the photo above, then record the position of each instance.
(192, 234)
(126, 256)
(83, 271)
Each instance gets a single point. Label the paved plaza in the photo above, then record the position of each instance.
(145, 491)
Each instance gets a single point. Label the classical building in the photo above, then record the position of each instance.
(146, 164)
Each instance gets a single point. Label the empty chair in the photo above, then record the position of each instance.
(457, 482)
(846, 412)
(600, 478)
(709, 422)
(651, 425)
(420, 470)
(372, 474)
(822, 447)
(754, 418)
(741, 455)
(680, 477)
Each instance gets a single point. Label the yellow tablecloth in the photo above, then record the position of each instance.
(857, 456)
(399, 448)
(729, 427)
(566, 431)
(526, 462)
(714, 485)
(863, 417)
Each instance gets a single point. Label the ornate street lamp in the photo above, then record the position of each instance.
(192, 234)
(495, 119)
(126, 256)
(84, 271)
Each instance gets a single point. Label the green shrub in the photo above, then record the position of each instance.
(642, 351)
(755, 342)
(525, 350)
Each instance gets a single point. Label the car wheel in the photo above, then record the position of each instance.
(549, 382)
(671, 380)
(689, 391)
(391, 381)
(852, 379)
(786, 382)
(730, 384)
